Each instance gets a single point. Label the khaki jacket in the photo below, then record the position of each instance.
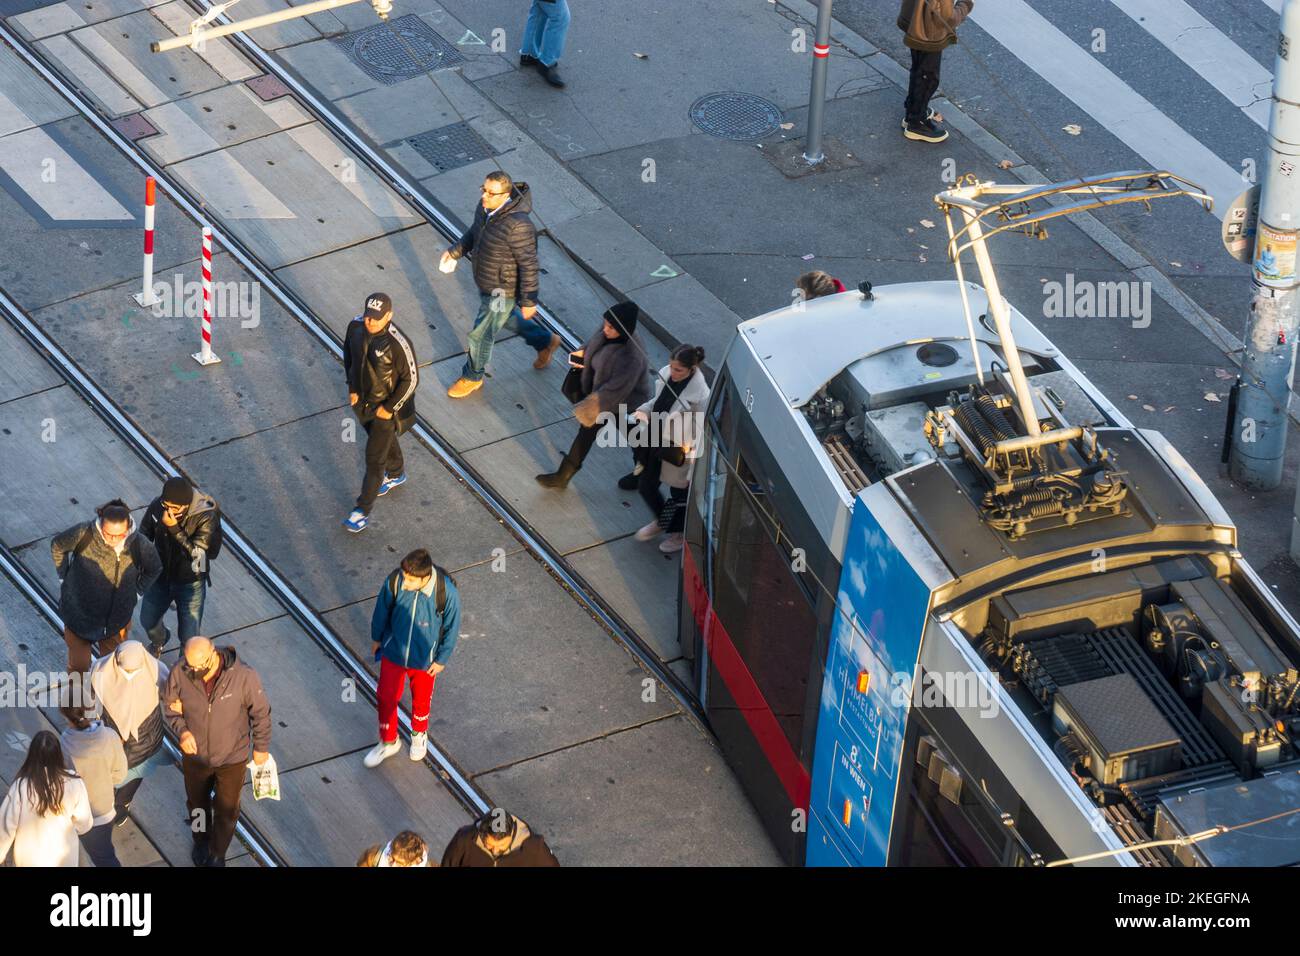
(931, 25)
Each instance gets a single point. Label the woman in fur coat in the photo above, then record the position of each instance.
(614, 383)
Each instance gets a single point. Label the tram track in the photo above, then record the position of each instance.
(517, 524)
(445, 769)
(261, 848)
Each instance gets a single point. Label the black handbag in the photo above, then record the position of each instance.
(571, 387)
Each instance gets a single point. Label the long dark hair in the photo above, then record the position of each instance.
(44, 772)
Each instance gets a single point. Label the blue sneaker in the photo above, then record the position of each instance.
(390, 483)
(356, 521)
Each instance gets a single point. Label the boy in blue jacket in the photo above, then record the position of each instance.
(414, 630)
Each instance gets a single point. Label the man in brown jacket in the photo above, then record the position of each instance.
(928, 27)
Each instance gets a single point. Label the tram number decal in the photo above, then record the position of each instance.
(749, 399)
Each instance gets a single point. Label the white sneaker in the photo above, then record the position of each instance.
(381, 752)
(419, 746)
(672, 544)
(649, 532)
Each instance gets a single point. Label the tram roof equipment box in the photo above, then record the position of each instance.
(1275, 843)
(1125, 736)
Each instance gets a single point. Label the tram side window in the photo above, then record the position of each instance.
(762, 606)
(929, 828)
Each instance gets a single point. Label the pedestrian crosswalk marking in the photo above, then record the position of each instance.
(1198, 43)
(52, 184)
(1128, 116)
(229, 189)
(118, 66)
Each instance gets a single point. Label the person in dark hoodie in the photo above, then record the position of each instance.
(382, 376)
(217, 709)
(929, 26)
(104, 566)
(185, 528)
(614, 381)
(498, 839)
(502, 243)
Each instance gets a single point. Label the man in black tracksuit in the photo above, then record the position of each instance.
(381, 373)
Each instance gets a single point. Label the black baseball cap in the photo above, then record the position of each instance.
(378, 305)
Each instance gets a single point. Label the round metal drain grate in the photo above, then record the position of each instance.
(392, 55)
(735, 115)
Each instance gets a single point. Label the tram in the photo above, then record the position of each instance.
(946, 605)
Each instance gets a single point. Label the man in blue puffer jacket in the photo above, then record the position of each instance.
(414, 630)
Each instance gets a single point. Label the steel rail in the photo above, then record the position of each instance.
(26, 582)
(521, 528)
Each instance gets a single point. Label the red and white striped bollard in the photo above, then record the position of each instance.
(205, 355)
(145, 296)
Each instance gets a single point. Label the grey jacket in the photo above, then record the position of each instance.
(613, 374)
(96, 755)
(236, 718)
(100, 587)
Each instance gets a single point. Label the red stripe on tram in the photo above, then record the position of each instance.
(744, 690)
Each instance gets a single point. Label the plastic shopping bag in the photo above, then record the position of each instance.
(266, 779)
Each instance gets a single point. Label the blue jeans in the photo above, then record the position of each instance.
(98, 844)
(161, 595)
(494, 314)
(548, 23)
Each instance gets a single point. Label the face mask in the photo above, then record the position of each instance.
(198, 671)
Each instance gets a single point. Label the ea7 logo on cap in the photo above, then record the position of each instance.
(376, 304)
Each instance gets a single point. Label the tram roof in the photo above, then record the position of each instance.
(789, 341)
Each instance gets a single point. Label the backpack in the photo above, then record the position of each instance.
(439, 590)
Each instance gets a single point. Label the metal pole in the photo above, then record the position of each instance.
(1002, 322)
(266, 19)
(812, 152)
(1259, 432)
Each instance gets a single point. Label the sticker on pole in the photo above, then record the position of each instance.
(1275, 256)
(1240, 223)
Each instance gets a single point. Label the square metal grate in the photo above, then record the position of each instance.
(399, 50)
(450, 147)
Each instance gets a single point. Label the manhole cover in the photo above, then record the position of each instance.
(450, 147)
(735, 115)
(399, 49)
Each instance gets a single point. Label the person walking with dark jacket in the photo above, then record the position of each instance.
(929, 26)
(185, 528)
(104, 566)
(502, 242)
(128, 686)
(382, 376)
(498, 839)
(672, 423)
(217, 709)
(414, 628)
(614, 379)
(94, 751)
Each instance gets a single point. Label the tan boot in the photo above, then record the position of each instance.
(544, 356)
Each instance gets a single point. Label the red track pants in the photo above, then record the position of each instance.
(392, 681)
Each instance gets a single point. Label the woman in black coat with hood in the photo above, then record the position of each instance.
(615, 379)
